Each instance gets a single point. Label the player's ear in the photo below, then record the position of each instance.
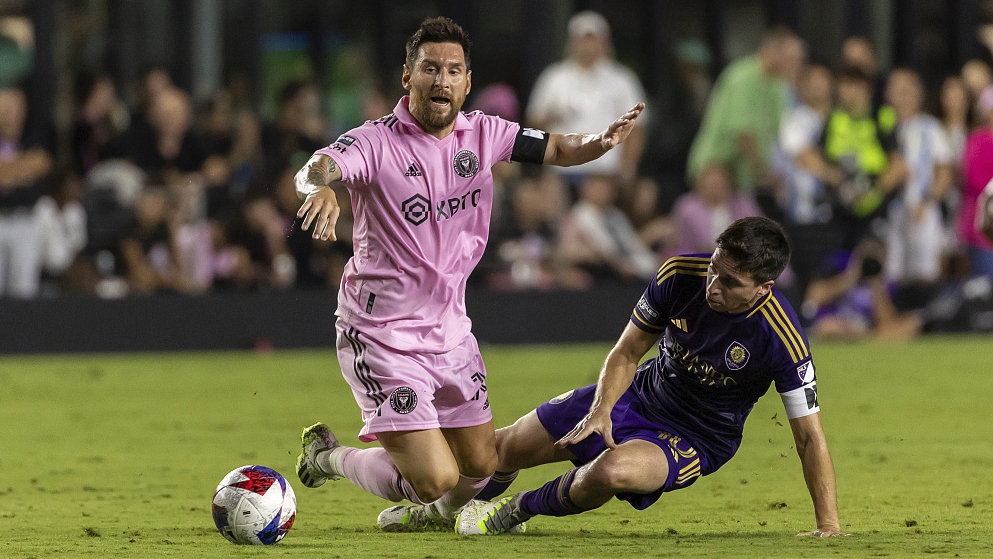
(405, 78)
(766, 287)
(468, 81)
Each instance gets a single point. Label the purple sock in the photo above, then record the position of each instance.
(552, 499)
(499, 482)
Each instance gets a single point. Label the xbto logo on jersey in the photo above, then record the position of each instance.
(466, 163)
(416, 209)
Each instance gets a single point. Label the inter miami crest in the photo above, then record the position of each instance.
(403, 400)
(466, 163)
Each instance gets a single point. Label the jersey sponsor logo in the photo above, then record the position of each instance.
(806, 372)
(446, 209)
(811, 393)
(416, 209)
(561, 397)
(647, 310)
(413, 171)
(736, 356)
(532, 133)
(403, 400)
(466, 164)
(684, 358)
(345, 139)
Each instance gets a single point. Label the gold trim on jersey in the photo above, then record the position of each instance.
(680, 323)
(766, 300)
(780, 322)
(642, 320)
(689, 472)
(688, 265)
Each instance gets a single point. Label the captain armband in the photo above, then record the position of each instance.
(801, 401)
(529, 146)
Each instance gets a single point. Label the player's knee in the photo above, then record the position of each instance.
(615, 475)
(430, 488)
(482, 465)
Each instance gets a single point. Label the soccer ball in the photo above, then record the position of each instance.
(254, 505)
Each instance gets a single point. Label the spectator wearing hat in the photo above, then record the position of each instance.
(585, 92)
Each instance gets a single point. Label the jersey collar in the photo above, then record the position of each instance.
(403, 115)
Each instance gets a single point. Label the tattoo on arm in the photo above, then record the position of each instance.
(320, 172)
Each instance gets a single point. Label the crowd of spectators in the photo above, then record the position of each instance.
(882, 200)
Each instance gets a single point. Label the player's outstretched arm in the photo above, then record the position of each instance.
(818, 472)
(320, 205)
(615, 377)
(566, 150)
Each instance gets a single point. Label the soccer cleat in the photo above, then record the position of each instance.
(413, 518)
(316, 438)
(480, 518)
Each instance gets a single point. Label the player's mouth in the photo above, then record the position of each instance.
(439, 102)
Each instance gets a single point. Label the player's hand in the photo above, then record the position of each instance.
(826, 533)
(619, 130)
(594, 422)
(320, 209)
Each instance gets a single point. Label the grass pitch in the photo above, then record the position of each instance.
(117, 456)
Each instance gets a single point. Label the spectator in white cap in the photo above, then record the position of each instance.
(586, 90)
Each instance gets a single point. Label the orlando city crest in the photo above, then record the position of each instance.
(466, 163)
(736, 356)
(403, 400)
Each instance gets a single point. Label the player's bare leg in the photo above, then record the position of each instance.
(525, 444)
(444, 480)
(635, 466)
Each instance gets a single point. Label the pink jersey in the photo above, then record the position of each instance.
(422, 213)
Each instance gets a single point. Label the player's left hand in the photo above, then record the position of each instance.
(594, 422)
(619, 130)
(826, 533)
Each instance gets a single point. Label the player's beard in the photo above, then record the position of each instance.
(433, 118)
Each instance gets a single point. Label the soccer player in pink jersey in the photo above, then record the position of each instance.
(421, 188)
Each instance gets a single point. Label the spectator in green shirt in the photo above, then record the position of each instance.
(747, 104)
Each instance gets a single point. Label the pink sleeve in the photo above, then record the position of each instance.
(500, 134)
(358, 154)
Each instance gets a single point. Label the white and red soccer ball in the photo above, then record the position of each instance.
(254, 505)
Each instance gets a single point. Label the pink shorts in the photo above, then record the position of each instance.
(404, 391)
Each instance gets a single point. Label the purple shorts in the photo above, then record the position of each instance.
(560, 415)
(403, 391)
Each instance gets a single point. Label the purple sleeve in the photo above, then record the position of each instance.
(358, 154)
(651, 314)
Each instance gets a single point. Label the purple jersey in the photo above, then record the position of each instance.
(422, 213)
(713, 366)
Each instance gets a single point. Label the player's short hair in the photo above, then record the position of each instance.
(437, 30)
(758, 246)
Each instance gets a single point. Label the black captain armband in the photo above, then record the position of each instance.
(529, 146)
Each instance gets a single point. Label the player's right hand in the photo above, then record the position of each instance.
(594, 422)
(320, 209)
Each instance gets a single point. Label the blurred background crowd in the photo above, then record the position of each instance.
(149, 147)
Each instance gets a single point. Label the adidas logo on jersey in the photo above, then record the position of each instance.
(413, 171)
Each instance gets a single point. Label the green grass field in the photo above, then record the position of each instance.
(118, 456)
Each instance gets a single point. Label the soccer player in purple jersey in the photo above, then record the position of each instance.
(726, 335)
(421, 190)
